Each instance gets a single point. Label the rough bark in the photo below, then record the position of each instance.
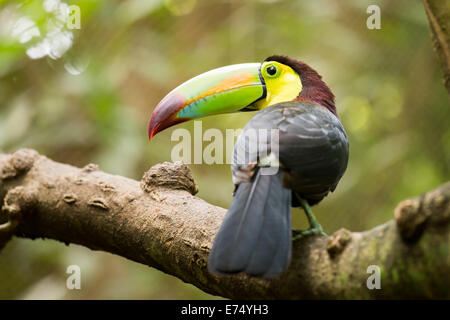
(159, 222)
(438, 13)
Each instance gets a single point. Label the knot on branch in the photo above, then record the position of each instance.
(91, 167)
(338, 241)
(169, 175)
(99, 203)
(16, 202)
(433, 208)
(18, 163)
(436, 204)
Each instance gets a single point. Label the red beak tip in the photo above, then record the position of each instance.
(152, 132)
(150, 136)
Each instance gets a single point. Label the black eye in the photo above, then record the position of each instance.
(272, 70)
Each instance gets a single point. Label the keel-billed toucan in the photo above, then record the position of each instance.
(311, 155)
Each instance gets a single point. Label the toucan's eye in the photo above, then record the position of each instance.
(271, 70)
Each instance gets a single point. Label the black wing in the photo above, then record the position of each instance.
(312, 147)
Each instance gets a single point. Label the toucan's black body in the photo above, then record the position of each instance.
(313, 148)
(255, 236)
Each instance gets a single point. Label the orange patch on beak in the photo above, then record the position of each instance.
(238, 81)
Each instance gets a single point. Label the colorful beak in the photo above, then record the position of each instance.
(223, 90)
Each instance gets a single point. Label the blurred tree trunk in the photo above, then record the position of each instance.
(438, 13)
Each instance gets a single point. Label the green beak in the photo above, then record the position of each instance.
(223, 90)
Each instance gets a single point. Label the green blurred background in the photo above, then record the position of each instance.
(92, 102)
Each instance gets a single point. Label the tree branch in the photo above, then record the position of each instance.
(160, 223)
(438, 13)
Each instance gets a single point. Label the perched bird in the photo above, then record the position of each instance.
(305, 164)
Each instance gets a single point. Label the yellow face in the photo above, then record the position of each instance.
(282, 84)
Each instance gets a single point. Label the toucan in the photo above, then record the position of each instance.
(306, 163)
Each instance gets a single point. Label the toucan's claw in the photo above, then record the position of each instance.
(298, 234)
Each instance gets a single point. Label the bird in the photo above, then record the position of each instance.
(305, 164)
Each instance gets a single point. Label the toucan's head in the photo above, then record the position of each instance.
(241, 87)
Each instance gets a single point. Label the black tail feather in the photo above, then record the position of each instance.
(255, 236)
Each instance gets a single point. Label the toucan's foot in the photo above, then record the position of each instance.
(316, 230)
(315, 227)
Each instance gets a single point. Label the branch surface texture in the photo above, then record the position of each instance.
(160, 223)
